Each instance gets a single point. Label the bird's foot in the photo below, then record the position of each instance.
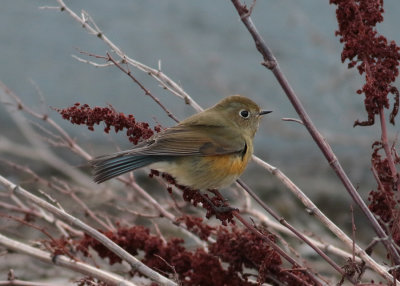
(221, 209)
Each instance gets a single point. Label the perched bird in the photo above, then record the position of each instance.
(208, 150)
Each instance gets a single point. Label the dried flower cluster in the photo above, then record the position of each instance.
(83, 114)
(378, 59)
(196, 226)
(384, 200)
(90, 281)
(241, 250)
(136, 131)
(215, 205)
(370, 52)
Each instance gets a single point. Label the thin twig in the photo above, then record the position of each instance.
(134, 262)
(315, 211)
(109, 58)
(164, 80)
(64, 261)
(18, 282)
(384, 138)
(70, 193)
(97, 65)
(293, 120)
(146, 91)
(353, 230)
(297, 233)
(167, 83)
(72, 145)
(275, 247)
(271, 63)
(327, 247)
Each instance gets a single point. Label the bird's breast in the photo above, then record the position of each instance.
(226, 164)
(206, 172)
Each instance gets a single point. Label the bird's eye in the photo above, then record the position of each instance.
(244, 113)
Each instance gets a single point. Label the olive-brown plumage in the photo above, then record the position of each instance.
(205, 151)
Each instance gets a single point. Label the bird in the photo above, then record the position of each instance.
(208, 150)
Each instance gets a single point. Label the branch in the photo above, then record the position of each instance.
(276, 248)
(392, 166)
(63, 261)
(295, 231)
(271, 63)
(135, 263)
(327, 247)
(146, 91)
(73, 146)
(174, 88)
(42, 151)
(315, 211)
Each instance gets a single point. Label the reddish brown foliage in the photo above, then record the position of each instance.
(246, 250)
(196, 225)
(378, 59)
(83, 114)
(383, 200)
(352, 269)
(240, 249)
(90, 281)
(370, 52)
(215, 206)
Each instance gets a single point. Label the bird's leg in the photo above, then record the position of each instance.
(218, 209)
(215, 208)
(218, 194)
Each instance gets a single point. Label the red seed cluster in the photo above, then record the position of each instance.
(245, 249)
(240, 249)
(370, 52)
(90, 281)
(234, 257)
(378, 59)
(211, 204)
(83, 114)
(383, 201)
(196, 225)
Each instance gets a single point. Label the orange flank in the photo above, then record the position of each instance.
(227, 164)
(208, 150)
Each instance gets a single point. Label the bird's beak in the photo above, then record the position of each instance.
(263, 112)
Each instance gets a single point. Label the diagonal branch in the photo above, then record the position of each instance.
(174, 88)
(295, 231)
(384, 138)
(64, 261)
(271, 63)
(315, 211)
(278, 249)
(134, 262)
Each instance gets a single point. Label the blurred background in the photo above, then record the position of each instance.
(203, 46)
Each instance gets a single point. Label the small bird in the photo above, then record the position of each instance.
(208, 150)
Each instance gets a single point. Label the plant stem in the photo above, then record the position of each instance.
(297, 233)
(112, 246)
(271, 63)
(388, 153)
(275, 247)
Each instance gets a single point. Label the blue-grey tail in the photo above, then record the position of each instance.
(108, 167)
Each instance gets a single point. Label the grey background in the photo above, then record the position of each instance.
(203, 46)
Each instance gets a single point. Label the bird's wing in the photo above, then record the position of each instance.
(181, 140)
(200, 140)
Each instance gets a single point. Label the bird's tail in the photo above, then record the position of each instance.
(110, 166)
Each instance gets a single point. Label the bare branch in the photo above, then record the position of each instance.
(64, 261)
(315, 211)
(135, 263)
(271, 63)
(293, 120)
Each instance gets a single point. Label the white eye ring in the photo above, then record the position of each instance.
(244, 113)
